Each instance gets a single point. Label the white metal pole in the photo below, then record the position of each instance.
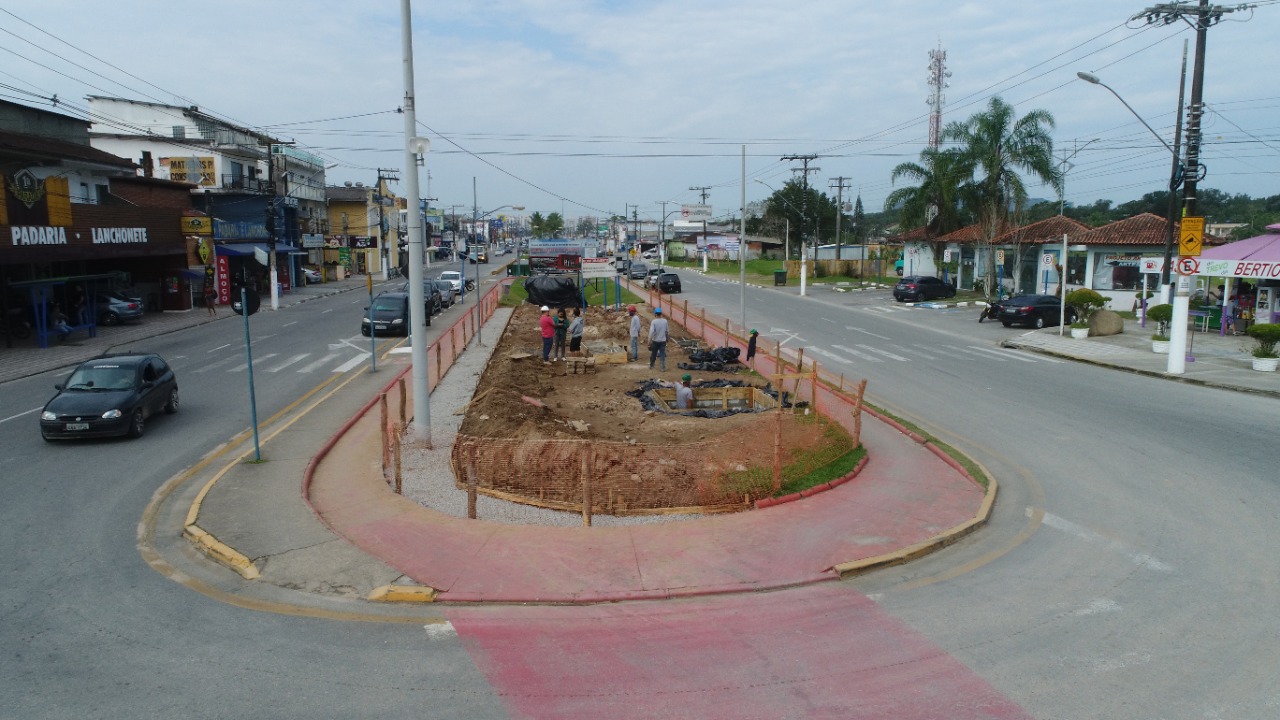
(1062, 285)
(417, 297)
(1178, 332)
(742, 245)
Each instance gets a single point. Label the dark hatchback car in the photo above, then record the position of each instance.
(922, 287)
(390, 315)
(1034, 311)
(668, 282)
(432, 294)
(109, 396)
(637, 271)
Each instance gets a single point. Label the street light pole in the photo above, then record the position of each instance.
(413, 147)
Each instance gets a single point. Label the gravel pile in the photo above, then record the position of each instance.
(428, 478)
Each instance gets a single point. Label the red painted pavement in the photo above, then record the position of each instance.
(905, 495)
(824, 651)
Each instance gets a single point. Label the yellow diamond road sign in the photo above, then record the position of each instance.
(1191, 237)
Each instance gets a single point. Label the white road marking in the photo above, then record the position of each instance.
(290, 361)
(438, 631)
(984, 356)
(1037, 358)
(256, 362)
(218, 348)
(857, 354)
(352, 363)
(921, 351)
(885, 353)
(1140, 559)
(828, 355)
(21, 414)
(295, 322)
(1000, 354)
(215, 365)
(322, 361)
(865, 332)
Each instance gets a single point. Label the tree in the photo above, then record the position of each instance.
(538, 225)
(859, 222)
(553, 224)
(996, 145)
(935, 200)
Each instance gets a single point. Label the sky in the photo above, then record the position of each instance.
(600, 107)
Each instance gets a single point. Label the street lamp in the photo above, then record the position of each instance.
(1180, 300)
(475, 222)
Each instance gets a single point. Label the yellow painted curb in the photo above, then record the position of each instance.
(937, 542)
(220, 551)
(404, 593)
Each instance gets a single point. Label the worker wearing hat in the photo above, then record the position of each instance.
(751, 346)
(548, 333)
(634, 330)
(684, 393)
(658, 339)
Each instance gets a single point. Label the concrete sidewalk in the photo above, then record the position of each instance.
(25, 359)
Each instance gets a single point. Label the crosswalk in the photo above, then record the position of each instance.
(340, 357)
(866, 353)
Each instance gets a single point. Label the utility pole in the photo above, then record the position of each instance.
(703, 191)
(1204, 16)
(804, 201)
(839, 186)
(379, 195)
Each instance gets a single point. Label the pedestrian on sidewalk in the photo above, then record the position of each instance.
(60, 323)
(751, 347)
(658, 339)
(562, 330)
(575, 331)
(211, 299)
(634, 326)
(548, 333)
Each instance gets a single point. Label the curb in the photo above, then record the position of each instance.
(404, 594)
(1015, 345)
(220, 552)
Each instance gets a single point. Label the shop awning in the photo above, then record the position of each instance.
(242, 249)
(1256, 257)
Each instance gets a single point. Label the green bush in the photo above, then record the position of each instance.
(1163, 315)
(1267, 335)
(1086, 302)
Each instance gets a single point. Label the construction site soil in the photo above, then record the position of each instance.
(519, 397)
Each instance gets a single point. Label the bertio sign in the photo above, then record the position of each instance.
(1240, 268)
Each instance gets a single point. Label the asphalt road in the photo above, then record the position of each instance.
(1128, 572)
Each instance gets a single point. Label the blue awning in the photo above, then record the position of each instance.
(242, 249)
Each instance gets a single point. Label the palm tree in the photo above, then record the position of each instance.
(997, 145)
(935, 202)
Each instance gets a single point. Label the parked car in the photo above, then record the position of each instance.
(454, 278)
(649, 255)
(310, 275)
(922, 287)
(1033, 310)
(651, 277)
(668, 282)
(114, 308)
(638, 270)
(390, 315)
(447, 295)
(110, 395)
(431, 294)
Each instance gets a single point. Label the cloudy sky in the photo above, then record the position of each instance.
(591, 106)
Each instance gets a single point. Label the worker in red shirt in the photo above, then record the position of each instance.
(548, 333)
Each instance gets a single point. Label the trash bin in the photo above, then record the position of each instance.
(779, 277)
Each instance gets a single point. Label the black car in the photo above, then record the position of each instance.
(922, 287)
(431, 293)
(390, 315)
(637, 271)
(668, 282)
(1035, 311)
(110, 395)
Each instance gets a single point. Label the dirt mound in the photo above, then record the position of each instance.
(520, 397)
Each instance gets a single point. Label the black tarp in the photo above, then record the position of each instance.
(554, 291)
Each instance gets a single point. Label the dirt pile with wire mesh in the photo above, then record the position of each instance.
(522, 432)
(519, 397)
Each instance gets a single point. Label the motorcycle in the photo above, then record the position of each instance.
(990, 312)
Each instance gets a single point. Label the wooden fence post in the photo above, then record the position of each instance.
(382, 430)
(857, 414)
(472, 481)
(395, 445)
(814, 384)
(403, 402)
(584, 463)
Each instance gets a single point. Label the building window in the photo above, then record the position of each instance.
(1116, 271)
(180, 132)
(1076, 263)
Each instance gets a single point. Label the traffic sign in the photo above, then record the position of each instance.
(1188, 266)
(1000, 257)
(1047, 259)
(946, 255)
(695, 212)
(1191, 237)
